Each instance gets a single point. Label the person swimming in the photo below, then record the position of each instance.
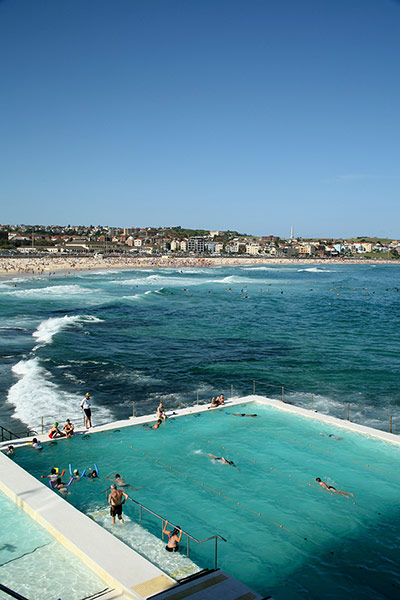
(330, 488)
(242, 415)
(222, 459)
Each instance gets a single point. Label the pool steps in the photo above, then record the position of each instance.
(129, 575)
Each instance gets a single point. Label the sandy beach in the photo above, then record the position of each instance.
(10, 266)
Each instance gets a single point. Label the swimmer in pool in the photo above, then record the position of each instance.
(120, 481)
(10, 451)
(243, 415)
(223, 460)
(330, 488)
(92, 474)
(36, 445)
(174, 537)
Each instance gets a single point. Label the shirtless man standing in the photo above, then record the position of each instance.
(116, 499)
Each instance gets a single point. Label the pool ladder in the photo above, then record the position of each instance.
(188, 536)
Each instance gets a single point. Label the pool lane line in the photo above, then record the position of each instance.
(258, 514)
(25, 554)
(304, 482)
(358, 462)
(289, 476)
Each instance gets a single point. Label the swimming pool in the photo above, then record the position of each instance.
(35, 565)
(286, 536)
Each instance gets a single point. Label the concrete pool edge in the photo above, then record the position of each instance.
(114, 562)
(89, 541)
(310, 414)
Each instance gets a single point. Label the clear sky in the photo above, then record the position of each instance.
(251, 115)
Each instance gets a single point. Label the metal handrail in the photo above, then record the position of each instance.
(11, 593)
(15, 435)
(188, 535)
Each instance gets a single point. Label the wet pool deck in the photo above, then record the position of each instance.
(128, 574)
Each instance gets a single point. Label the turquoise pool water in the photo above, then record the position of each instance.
(286, 536)
(36, 566)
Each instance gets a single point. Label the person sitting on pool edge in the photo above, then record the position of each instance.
(174, 537)
(161, 414)
(330, 488)
(55, 432)
(68, 429)
(223, 460)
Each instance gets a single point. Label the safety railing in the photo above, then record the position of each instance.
(188, 536)
(11, 593)
(281, 392)
(7, 435)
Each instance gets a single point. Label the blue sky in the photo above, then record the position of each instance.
(251, 115)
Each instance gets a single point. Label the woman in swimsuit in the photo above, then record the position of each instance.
(174, 537)
(330, 488)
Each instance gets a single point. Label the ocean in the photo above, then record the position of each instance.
(328, 334)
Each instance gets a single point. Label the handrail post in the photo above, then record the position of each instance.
(283, 394)
(133, 409)
(187, 546)
(140, 514)
(216, 553)
(197, 397)
(231, 391)
(42, 426)
(348, 411)
(254, 388)
(390, 428)
(312, 401)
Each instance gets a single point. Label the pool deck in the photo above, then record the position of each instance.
(128, 574)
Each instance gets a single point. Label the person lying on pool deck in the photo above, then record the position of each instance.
(223, 460)
(330, 488)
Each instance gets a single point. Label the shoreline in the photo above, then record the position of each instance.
(38, 266)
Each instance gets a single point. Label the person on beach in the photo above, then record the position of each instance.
(55, 432)
(174, 537)
(223, 460)
(116, 499)
(161, 411)
(85, 405)
(36, 444)
(68, 429)
(330, 488)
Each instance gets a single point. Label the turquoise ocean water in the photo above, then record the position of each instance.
(142, 335)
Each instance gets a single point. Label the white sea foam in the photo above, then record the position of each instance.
(314, 270)
(258, 269)
(35, 395)
(49, 328)
(56, 290)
